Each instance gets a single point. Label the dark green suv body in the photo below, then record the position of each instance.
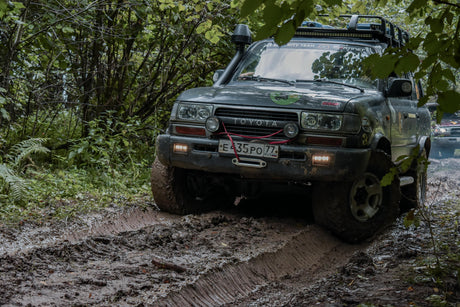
(302, 113)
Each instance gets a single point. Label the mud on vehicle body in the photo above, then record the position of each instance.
(302, 113)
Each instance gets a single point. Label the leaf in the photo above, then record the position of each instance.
(68, 30)
(381, 66)
(415, 5)
(436, 25)
(249, 6)
(285, 33)
(409, 62)
(388, 177)
(4, 113)
(271, 14)
(333, 2)
(203, 27)
(265, 32)
(449, 101)
(3, 6)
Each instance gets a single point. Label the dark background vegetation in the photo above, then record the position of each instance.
(85, 86)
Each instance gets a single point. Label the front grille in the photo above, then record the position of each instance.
(236, 126)
(259, 114)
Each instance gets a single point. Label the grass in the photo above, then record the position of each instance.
(65, 194)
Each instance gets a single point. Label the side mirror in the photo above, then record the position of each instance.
(399, 88)
(242, 35)
(217, 75)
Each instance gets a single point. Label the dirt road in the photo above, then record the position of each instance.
(259, 255)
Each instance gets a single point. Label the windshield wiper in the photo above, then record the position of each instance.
(333, 82)
(259, 79)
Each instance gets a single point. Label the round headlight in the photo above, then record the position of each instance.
(310, 121)
(291, 130)
(212, 124)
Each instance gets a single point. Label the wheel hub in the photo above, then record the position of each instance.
(365, 197)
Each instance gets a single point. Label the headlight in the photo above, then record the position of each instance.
(194, 112)
(321, 121)
(212, 124)
(291, 130)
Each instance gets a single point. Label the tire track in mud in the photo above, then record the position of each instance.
(222, 256)
(311, 252)
(93, 225)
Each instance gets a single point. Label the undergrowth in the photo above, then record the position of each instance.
(64, 194)
(439, 266)
(58, 178)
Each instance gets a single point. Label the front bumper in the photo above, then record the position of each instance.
(293, 164)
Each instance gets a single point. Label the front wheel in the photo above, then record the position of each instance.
(357, 210)
(179, 191)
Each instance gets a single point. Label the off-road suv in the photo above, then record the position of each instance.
(302, 113)
(445, 134)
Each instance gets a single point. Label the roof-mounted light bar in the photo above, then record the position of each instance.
(381, 29)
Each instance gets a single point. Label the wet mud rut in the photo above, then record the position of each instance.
(136, 256)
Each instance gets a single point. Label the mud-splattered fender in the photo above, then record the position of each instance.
(379, 141)
(425, 142)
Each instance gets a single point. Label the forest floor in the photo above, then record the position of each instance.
(268, 253)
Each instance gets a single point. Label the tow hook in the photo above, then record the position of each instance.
(249, 162)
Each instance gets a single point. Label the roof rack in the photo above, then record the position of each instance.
(381, 30)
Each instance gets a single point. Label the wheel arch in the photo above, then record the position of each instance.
(425, 143)
(380, 142)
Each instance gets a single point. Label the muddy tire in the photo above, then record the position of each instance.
(179, 191)
(414, 195)
(357, 210)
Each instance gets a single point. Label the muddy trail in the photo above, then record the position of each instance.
(268, 253)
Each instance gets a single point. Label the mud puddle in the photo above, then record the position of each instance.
(260, 254)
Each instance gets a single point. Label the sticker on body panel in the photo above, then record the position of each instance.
(284, 99)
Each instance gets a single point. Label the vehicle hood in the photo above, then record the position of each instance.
(311, 96)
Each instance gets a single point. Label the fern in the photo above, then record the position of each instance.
(23, 150)
(11, 183)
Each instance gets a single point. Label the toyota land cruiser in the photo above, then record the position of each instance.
(302, 113)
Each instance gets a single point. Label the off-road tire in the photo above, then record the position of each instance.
(414, 195)
(332, 202)
(172, 193)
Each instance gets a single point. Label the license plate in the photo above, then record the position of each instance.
(249, 149)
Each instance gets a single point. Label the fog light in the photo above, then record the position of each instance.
(212, 124)
(291, 130)
(180, 148)
(321, 159)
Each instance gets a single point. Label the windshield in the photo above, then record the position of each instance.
(306, 61)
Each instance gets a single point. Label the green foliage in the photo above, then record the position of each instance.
(97, 80)
(403, 164)
(434, 25)
(63, 194)
(12, 185)
(112, 145)
(439, 267)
